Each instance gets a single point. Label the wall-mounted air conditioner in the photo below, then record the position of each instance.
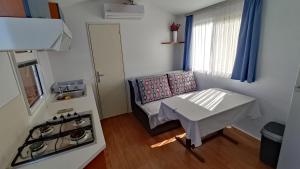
(121, 11)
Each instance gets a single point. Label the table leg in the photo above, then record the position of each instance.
(217, 134)
(221, 132)
(188, 145)
(230, 139)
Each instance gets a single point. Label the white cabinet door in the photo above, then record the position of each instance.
(8, 88)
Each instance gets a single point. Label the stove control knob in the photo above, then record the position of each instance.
(75, 114)
(54, 118)
(68, 115)
(62, 117)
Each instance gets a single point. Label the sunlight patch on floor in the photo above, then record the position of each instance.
(167, 141)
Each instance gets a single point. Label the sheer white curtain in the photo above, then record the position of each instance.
(214, 39)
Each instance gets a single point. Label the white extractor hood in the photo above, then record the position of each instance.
(17, 34)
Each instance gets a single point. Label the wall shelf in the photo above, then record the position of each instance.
(171, 43)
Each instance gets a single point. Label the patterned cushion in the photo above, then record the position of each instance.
(182, 82)
(176, 81)
(154, 88)
(189, 82)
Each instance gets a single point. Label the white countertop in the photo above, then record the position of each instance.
(76, 158)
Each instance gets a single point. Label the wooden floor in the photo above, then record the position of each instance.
(129, 146)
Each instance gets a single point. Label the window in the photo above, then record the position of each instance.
(215, 37)
(31, 82)
(30, 76)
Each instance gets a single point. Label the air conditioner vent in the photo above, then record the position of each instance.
(121, 11)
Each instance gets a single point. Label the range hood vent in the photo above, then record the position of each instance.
(19, 34)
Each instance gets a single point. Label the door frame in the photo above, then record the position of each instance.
(96, 85)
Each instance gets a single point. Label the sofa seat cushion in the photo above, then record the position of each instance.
(153, 88)
(151, 108)
(152, 111)
(182, 82)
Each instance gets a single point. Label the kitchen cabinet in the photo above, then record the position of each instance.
(49, 34)
(12, 8)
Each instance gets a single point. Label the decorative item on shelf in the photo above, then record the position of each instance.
(174, 28)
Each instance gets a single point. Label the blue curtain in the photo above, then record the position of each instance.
(187, 44)
(27, 9)
(248, 42)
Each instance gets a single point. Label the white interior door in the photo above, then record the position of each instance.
(105, 40)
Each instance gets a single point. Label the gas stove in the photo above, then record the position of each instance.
(58, 135)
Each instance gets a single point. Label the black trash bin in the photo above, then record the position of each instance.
(271, 140)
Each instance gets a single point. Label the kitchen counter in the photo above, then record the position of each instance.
(76, 158)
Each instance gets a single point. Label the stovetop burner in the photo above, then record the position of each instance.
(77, 135)
(56, 136)
(79, 122)
(38, 148)
(46, 130)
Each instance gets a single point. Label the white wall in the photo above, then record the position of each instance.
(9, 88)
(178, 50)
(13, 121)
(46, 69)
(142, 51)
(278, 61)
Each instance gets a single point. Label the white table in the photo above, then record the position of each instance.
(205, 112)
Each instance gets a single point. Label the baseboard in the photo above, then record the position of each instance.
(114, 115)
(247, 133)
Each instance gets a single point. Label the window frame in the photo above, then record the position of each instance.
(34, 66)
(35, 107)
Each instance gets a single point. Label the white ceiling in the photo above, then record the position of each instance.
(176, 7)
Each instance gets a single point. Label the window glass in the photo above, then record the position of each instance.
(31, 82)
(215, 37)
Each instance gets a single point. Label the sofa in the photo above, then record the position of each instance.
(148, 92)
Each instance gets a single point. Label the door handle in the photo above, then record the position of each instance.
(98, 76)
